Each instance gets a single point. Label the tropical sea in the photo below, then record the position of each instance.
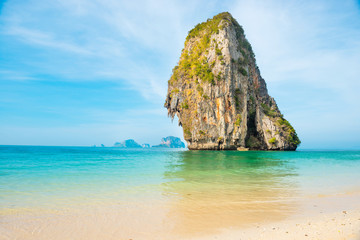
(112, 193)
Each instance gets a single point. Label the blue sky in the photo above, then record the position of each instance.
(76, 72)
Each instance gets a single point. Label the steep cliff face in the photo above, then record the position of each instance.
(219, 96)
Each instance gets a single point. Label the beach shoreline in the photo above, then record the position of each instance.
(80, 193)
(322, 217)
(330, 226)
(332, 217)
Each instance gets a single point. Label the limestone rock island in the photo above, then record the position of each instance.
(129, 143)
(219, 96)
(171, 142)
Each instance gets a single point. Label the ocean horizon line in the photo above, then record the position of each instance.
(92, 146)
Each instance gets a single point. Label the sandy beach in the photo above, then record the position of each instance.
(344, 225)
(195, 196)
(321, 217)
(332, 226)
(332, 217)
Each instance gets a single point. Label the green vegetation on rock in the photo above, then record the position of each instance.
(268, 110)
(292, 137)
(273, 141)
(238, 120)
(243, 71)
(237, 101)
(216, 90)
(185, 105)
(194, 63)
(218, 77)
(201, 132)
(200, 90)
(217, 50)
(252, 99)
(211, 25)
(187, 132)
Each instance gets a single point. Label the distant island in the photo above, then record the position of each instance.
(130, 143)
(219, 96)
(167, 142)
(171, 142)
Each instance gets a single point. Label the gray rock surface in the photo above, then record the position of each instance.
(219, 96)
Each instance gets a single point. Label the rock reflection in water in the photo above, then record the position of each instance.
(213, 190)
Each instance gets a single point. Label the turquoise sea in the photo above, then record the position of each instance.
(215, 188)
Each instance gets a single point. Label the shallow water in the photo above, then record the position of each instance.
(70, 190)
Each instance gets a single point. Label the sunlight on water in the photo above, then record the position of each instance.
(182, 192)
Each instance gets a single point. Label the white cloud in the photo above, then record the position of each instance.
(308, 52)
(111, 40)
(14, 75)
(307, 41)
(43, 39)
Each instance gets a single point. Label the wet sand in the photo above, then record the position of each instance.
(150, 195)
(317, 217)
(331, 226)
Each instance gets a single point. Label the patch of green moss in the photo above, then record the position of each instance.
(174, 91)
(185, 105)
(200, 90)
(236, 96)
(268, 110)
(243, 71)
(237, 102)
(243, 61)
(211, 25)
(193, 63)
(292, 135)
(252, 99)
(238, 120)
(243, 53)
(252, 110)
(187, 132)
(245, 45)
(218, 77)
(294, 139)
(217, 50)
(201, 132)
(273, 141)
